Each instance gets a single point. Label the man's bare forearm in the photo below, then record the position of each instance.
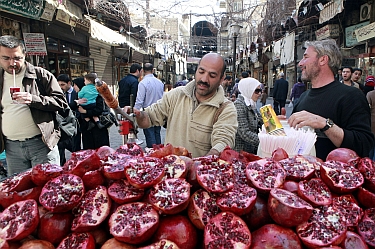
(143, 120)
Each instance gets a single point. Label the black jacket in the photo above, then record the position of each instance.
(128, 85)
(280, 90)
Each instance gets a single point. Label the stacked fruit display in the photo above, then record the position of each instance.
(164, 199)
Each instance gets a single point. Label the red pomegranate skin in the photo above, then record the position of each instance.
(344, 155)
(179, 229)
(259, 215)
(54, 227)
(272, 236)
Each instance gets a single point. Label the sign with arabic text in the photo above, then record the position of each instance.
(26, 8)
(365, 33)
(35, 43)
(328, 31)
(350, 34)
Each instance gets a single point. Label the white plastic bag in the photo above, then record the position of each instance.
(290, 104)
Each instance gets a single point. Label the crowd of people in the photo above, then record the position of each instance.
(206, 114)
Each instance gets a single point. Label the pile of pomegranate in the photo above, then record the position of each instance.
(164, 199)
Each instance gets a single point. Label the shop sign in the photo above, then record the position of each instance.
(35, 43)
(64, 17)
(331, 9)
(48, 12)
(83, 23)
(365, 33)
(26, 8)
(328, 31)
(350, 34)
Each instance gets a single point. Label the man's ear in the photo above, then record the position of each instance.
(323, 60)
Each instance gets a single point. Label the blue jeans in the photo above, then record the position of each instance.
(22, 155)
(152, 135)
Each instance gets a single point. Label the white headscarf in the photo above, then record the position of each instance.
(247, 87)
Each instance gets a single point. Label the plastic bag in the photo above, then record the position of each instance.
(290, 104)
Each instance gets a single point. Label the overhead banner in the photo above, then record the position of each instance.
(35, 44)
(331, 9)
(26, 8)
(328, 31)
(350, 34)
(365, 33)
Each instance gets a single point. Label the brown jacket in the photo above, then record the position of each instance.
(44, 103)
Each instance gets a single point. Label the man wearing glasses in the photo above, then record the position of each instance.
(29, 99)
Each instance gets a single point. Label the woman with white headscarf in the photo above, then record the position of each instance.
(248, 117)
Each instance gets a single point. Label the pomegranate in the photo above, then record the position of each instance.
(258, 216)
(170, 196)
(144, 172)
(348, 207)
(19, 220)
(104, 152)
(279, 154)
(134, 223)
(19, 182)
(121, 191)
(113, 167)
(298, 168)
(226, 230)
(4, 244)
(239, 173)
(93, 178)
(214, 174)
(240, 200)
(248, 157)
(275, 236)
(291, 186)
(265, 174)
(101, 234)
(62, 193)
(162, 244)
(115, 244)
(229, 155)
(77, 240)
(132, 149)
(42, 173)
(92, 210)
(366, 198)
(340, 177)
(8, 198)
(324, 228)
(315, 192)
(175, 167)
(202, 208)
(287, 209)
(81, 162)
(344, 155)
(177, 228)
(366, 227)
(160, 150)
(54, 227)
(191, 176)
(37, 244)
(367, 167)
(353, 241)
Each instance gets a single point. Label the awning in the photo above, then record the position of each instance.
(102, 33)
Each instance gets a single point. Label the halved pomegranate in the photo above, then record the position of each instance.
(175, 167)
(170, 196)
(240, 200)
(315, 192)
(115, 244)
(144, 172)
(78, 240)
(287, 209)
(324, 228)
(8, 198)
(81, 162)
(229, 155)
(93, 178)
(19, 182)
(132, 149)
(291, 186)
(62, 193)
(353, 241)
(265, 174)
(366, 198)
(104, 152)
(162, 244)
(348, 207)
(340, 177)
(366, 227)
(19, 220)
(113, 167)
(214, 175)
(202, 208)
(279, 154)
(92, 210)
(239, 172)
(134, 223)
(275, 236)
(298, 168)
(367, 167)
(121, 191)
(42, 173)
(226, 230)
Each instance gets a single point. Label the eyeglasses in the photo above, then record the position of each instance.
(17, 58)
(258, 91)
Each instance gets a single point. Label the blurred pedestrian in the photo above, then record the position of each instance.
(129, 85)
(264, 96)
(297, 90)
(369, 84)
(280, 93)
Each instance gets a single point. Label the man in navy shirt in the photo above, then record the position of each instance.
(129, 85)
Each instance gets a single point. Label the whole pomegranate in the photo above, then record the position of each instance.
(177, 228)
(279, 154)
(259, 215)
(353, 241)
(104, 152)
(366, 198)
(37, 244)
(287, 209)
(275, 236)
(226, 230)
(115, 244)
(93, 178)
(54, 227)
(134, 223)
(81, 162)
(42, 173)
(344, 155)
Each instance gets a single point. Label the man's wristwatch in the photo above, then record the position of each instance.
(329, 124)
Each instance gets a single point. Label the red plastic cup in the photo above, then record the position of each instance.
(14, 89)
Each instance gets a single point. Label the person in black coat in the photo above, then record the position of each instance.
(280, 93)
(73, 144)
(129, 86)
